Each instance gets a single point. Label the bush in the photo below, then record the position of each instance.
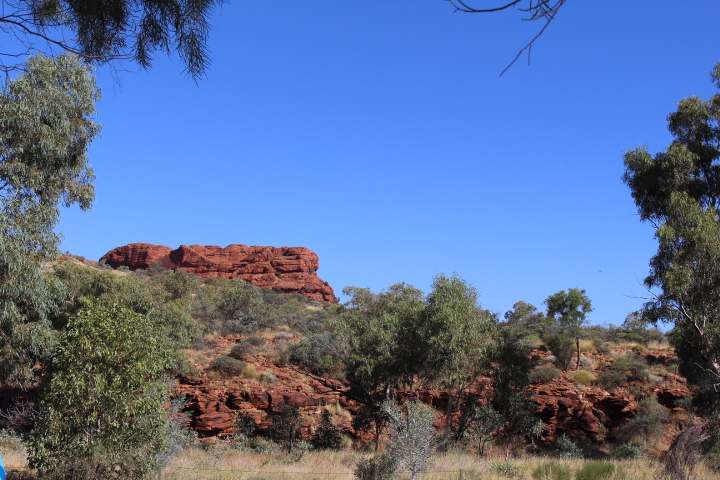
(255, 341)
(567, 448)
(313, 355)
(603, 350)
(552, 471)
(632, 366)
(583, 376)
(286, 427)
(379, 467)
(563, 348)
(227, 365)
(242, 350)
(327, 435)
(638, 349)
(595, 470)
(647, 425)
(543, 374)
(627, 450)
(611, 379)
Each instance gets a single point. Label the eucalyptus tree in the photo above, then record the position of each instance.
(678, 192)
(455, 334)
(46, 126)
(569, 309)
(107, 31)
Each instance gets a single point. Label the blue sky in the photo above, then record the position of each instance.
(380, 135)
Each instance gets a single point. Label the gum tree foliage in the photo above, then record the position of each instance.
(241, 306)
(678, 192)
(455, 339)
(103, 394)
(569, 309)
(105, 31)
(373, 344)
(525, 318)
(46, 126)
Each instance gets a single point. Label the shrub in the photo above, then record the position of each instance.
(543, 374)
(603, 350)
(268, 377)
(227, 365)
(312, 354)
(563, 348)
(286, 427)
(255, 341)
(595, 470)
(611, 379)
(583, 376)
(627, 450)
(598, 341)
(567, 448)
(638, 349)
(647, 425)
(634, 367)
(327, 435)
(379, 467)
(552, 471)
(242, 350)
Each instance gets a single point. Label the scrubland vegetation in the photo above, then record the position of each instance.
(382, 346)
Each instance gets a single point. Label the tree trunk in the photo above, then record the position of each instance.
(577, 342)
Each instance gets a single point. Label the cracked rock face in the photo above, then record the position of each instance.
(282, 269)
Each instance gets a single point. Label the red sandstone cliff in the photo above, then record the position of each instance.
(283, 269)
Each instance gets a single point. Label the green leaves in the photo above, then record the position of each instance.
(46, 127)
(104, 391)
(679, 192)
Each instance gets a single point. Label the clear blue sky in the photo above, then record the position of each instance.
(379, 135)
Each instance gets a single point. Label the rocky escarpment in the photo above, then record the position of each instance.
(282, 269)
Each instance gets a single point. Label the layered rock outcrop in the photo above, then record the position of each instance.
(282, 269)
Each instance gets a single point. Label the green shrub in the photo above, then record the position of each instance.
(633, 366)
(604, 350)
(638, 349)
(584, 377)
(227, 365)
(647, 425)
(327, 435)
(255, 341)
(627, 450)
(598, 341)
(312, 354)
(552, 471)
(379, 467)
(567, 448)
(595, 470)
(611, 379)
(242, 350)
(543, 374)
(563, 348)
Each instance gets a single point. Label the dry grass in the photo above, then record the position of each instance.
(233, 465)
(587, 346)
(222, 462)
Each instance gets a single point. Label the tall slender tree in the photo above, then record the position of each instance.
(570, 310)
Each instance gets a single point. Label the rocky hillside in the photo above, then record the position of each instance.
(564, 404)
(282, 269)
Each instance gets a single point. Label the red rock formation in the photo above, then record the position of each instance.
(283, 269)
